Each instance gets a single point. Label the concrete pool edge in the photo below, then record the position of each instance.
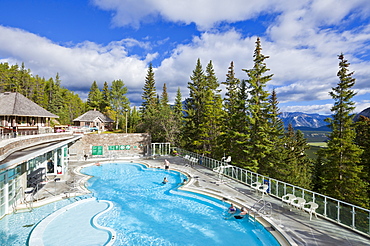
(282, 237)
(36, 235)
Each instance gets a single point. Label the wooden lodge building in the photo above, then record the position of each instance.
(18, 114)
(94, 119)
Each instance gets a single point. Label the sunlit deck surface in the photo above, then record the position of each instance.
(294, 223)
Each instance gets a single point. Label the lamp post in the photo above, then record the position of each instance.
(126, 118)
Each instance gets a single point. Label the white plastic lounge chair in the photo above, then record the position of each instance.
(287, 198)
(263, 189)
(298, 202)
(187, 158)
(256, 185)
(227, 160)
(193, 161)
(311, 207)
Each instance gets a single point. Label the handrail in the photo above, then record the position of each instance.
(262, 208)
(345, 214)
(29, 204)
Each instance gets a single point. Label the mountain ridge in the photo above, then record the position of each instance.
(299, 119)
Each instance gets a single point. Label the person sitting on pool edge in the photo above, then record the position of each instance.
(241, 214)
(165, 180)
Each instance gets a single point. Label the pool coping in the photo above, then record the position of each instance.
(282, 237)
(36, 235)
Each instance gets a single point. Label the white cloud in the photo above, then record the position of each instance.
(323, 109)
(362, 105)
(78, 65)
(303, 40)
(205, 14)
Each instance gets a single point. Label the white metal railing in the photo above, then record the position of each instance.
(343, 213)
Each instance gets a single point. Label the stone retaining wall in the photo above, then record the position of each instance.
(111, 145)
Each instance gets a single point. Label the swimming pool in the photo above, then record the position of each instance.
(147, 212)
(144, 212)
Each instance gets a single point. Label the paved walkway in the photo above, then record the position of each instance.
(293, 223)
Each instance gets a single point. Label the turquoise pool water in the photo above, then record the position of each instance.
(15, 228)
(147, 212)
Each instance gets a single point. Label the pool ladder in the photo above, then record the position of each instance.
(260, 208)
(23, 199)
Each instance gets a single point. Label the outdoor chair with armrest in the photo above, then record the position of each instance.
(311, 207)
(256, 185)
(298, 202)
(287, 199)
(263, 189)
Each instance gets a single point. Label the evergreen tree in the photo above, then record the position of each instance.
(260, 146)
(95, 97)
(167, 119)
(178, 115)
(194, 108)
(241, 128)
(213, 115)
(149, 94)
(72, 108)
(134, 120)
(105, 98)
(203, 110)
(296, 168)
(164, 98)
(363, 140)
(341, 177)
(54, 95)
(150, 107)
(277, 134)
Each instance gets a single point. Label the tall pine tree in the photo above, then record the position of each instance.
(259, 146)
(95, 97)
(203, 111)
(341, 172)
(231, 122)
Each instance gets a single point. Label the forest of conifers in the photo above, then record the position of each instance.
(243, 123)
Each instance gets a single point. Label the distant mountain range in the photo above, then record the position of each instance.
(302, 120)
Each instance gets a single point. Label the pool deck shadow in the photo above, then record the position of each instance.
(291, 221)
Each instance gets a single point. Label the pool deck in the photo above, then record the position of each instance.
(293, 223)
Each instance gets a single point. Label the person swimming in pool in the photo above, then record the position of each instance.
(165, 180)
(241, 214)
(232, 209)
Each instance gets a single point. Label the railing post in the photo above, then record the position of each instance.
(353, 218)
(338, 212)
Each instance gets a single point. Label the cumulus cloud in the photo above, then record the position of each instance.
(205, 14)
(323, 109)
(302, 38)
(78, 65)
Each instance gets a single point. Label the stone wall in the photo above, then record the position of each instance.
(111, 145)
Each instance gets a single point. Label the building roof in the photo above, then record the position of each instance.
(91, 115)
(15, 104)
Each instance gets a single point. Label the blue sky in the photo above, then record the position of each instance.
(105, 40)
